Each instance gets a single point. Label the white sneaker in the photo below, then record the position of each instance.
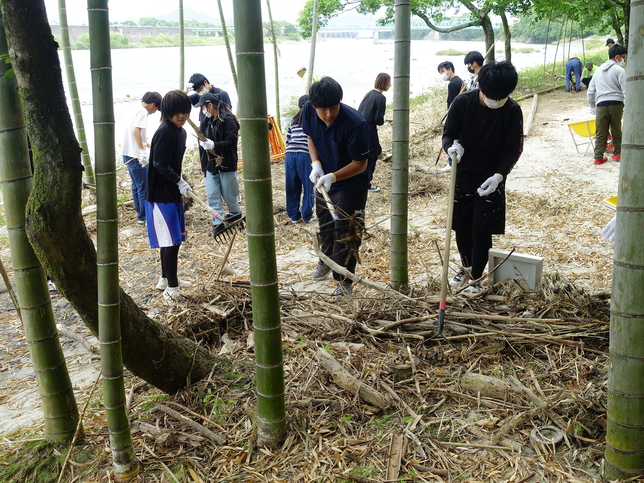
(473, 290)
(446, 169)
(162, 284)
(171, 293)
(460, 277)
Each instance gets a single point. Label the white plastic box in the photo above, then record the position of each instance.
(526, 269)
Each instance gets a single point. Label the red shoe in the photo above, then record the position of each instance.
(601, 161)
(616, 157)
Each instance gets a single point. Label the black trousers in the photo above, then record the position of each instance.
(341, 239)
(169, 262)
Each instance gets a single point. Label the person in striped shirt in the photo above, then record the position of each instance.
(297, 169)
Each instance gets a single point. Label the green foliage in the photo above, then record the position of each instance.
(9, 73)
(37, 461)
(155, 22)
(327, 9)
(119, 41)
(283, 30)
(82, 43)
(452, 52)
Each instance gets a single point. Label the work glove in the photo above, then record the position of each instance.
(143, 157)
(327, 180)
(456, 152)
(490, 185)
(207, 144)
(609, 230)
(184, 187)
(316, 171)
(593, 110)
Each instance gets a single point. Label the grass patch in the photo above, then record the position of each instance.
(451, 52)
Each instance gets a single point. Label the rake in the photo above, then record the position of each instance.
(230, 226)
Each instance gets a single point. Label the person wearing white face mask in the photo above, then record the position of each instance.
(606, 98)
(489, 128)
(200, 86)
(218, 155)
(446, 70)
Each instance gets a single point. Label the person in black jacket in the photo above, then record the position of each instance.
(202, 86)
(372, 108)
(218, 156)
(484, 134)
(163, 204)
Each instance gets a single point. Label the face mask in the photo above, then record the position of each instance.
(621, 62)
(445, 76)
(470, 70)
(203, 91)
(492, 104)
(206, 113)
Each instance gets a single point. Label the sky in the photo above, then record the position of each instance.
(121, 10)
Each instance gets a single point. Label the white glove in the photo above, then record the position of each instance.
(609, 230)
(327, 180)
(593, 110)
(143, 157)
(207, 144)
(490, 185)
(316, 171)
(456, 152)
(184, 187)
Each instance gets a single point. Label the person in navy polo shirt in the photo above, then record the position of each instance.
(338, 138)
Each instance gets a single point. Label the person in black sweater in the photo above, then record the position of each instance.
(164, 207)
(484, 134)
(446, 70)
(372, 108)
(218, 156)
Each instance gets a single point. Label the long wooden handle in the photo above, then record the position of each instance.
(204, 205)
(448, 228)
(327, 200)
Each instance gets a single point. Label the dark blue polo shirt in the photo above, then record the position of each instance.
(345, 140)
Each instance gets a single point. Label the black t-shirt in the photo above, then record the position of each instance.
(453, 89)
(372, 108)
(166, 159)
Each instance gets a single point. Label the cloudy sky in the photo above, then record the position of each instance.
(121, 10)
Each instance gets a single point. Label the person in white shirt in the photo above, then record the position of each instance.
(135, 152)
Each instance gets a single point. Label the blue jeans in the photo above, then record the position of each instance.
(222, 186)
(573, 66)
(139, 176)
(297, 169)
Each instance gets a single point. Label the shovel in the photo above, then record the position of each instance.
(230, 227)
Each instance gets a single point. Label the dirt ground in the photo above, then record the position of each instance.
(555, 211)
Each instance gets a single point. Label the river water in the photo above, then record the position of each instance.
(354, 63)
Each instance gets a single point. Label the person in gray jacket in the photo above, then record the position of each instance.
(606, 98)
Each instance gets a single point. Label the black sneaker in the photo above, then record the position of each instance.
(217, 230)
(230, 217)
(460, 277)
(344, 289)
(321, 271)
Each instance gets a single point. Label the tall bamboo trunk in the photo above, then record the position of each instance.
(109, 324)
(508, 37)
(73, 92)
(271, 418)
(276, 60)
(488, 30)
(400, 162)
(625, 422)
(59, 406)
(231, 61)
(182, 49)
(314, 36)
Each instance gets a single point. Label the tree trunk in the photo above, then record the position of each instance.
(508, 37)
(400, 163)
(271, 411)
(55, 387)
(228, 51)
(73, 92)
(486, 23)
(276, 60)
(314, 36)
(625, 421)
(55, 225)
(124, 461)
(182, 49)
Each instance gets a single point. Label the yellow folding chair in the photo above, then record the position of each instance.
(585, 129)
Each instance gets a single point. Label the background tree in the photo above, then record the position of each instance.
(182, 49)
(231, 61)
(625, 421)
(271, 412)
(55, 388)
(124, 460)
(54, 223)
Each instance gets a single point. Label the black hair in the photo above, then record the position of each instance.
(297, 119)
(197, 81)
(325, 93)
(383, 81)
(447, 65)
(173, 103)
(616, 50)
(152, 98)
(474, 56)
(497, 80)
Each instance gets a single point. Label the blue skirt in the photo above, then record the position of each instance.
(166, 224)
